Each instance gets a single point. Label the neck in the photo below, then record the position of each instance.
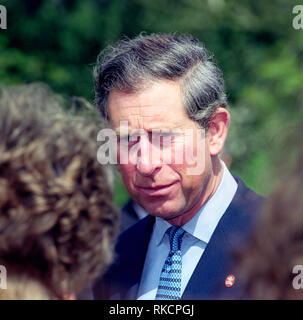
(210, 186)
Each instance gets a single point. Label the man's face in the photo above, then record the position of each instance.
(160, 184)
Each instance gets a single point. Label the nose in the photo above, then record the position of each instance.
(147, 162)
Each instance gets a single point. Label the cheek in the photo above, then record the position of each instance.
(192, 188)
(192, 184)
(189, 148)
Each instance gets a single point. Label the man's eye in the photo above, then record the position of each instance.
(163, 139)
(161, 135)
(129, 139)
(166, 137)
(124, 138)
(167, 141)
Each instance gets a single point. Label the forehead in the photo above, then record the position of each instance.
(157, 106)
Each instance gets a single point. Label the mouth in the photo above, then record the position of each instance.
(158, 190)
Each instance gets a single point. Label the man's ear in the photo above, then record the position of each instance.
(217, 130)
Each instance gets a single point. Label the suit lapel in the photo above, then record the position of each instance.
(131, 255)
(216, 263)
(210, 270)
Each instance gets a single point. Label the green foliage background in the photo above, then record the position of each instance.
(254, 42)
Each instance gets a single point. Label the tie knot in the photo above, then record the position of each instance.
(175, 237)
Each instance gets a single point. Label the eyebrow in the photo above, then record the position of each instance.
(126, 131)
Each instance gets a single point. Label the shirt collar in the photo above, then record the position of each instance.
(141, 213)
(160, 228)
(205, 221)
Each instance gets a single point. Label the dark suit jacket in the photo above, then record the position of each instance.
(128, 216)
(208, 279)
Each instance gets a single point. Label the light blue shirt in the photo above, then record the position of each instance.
(198, 233)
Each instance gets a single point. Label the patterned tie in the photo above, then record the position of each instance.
(170, 279)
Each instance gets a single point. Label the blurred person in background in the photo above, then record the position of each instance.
(57, 221)
(271, 264)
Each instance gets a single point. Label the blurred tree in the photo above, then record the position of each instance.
(57, 41)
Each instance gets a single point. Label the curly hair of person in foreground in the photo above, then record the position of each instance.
(57, 220)
(276, 247)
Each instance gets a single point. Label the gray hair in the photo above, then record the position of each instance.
(134, 62)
